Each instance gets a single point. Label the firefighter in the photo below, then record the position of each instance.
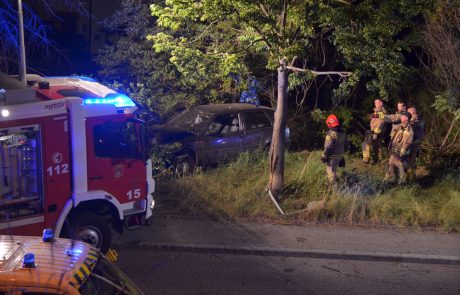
(399, 148)
(418, 127)
(334, 147)
(373, 140)
(395, 118)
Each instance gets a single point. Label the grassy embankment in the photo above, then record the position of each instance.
(238, 191)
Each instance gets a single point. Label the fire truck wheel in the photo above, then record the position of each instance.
(184, 165)
(92, 229)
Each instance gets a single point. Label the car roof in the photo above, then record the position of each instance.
(225, 107)
(61, 264)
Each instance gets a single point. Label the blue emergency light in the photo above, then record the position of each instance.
(29, 261)
(48, 235)
(116, 99)
(73, 252)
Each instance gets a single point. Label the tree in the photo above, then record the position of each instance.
(38, 43)
(442, 61)
(9, 32)
(231, 31)
(150, 77)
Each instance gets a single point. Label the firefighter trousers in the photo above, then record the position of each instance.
(396, 170)
(412, 161)
(331, 169)
(371, 150)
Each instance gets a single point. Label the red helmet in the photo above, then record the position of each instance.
(332, 121)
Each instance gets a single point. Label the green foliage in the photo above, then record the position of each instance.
(318, 115)
(448, 102)
(163, 158)
(369, 37)
(342, 113)
(154, 77)
(372, 37)
(229, 32)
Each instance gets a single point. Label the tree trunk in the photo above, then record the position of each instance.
(275, 182)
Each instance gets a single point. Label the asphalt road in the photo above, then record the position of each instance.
(185, 256)
(192, 273)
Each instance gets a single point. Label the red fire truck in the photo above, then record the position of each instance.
(73, 157)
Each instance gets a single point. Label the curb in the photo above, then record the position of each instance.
(295, 253)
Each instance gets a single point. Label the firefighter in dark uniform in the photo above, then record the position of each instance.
(334, 148)
(418, 127)
(374, 137)
(400, 146)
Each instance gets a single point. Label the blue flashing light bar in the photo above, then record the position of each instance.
(29, 260)
(116, 99)
(48, 235)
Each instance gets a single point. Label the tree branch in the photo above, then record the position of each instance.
(204, 31)
(264, 39)
(320, 73)
(452, 124)
(283, 20)
(264, 10)
(247, 47)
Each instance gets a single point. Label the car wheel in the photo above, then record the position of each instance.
(185, 165)
(92, 229)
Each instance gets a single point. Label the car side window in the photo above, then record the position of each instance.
(255, 120)
(224, 124)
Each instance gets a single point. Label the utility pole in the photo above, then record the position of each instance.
(90, 27)
(22, 49)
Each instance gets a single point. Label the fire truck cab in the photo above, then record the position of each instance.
(73, 157)
(30, 265)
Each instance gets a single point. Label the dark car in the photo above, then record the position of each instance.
(216, 133)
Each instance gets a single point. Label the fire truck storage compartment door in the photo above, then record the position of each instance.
(115, 159)
(57, 167)
(21, 189)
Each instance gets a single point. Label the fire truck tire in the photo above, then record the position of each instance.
(92, 229)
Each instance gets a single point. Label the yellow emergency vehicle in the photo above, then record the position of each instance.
(34, 265)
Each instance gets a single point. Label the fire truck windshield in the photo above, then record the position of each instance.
(117, 140)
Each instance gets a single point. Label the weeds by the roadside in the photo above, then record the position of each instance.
(238, 190)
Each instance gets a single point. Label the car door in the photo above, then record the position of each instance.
(222, 139)
(257, 130)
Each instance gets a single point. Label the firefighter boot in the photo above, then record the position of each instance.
(366, 152)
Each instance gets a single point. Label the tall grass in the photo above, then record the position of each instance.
(238, 190)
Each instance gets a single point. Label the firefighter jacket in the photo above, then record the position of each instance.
(334, 145)
(418, 127)
(395, 120)
(401, 141)
(378, 120)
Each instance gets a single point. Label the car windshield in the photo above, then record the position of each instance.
(106, 278)
(191, 120)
